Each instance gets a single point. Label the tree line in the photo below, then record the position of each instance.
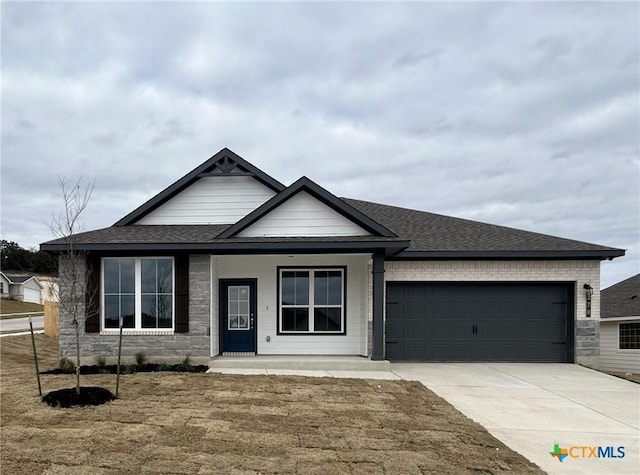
(13, 257)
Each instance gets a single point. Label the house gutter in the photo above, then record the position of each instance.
(600, 254)
(389, 247)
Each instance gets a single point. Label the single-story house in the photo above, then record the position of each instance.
(228, 260)
(620, 327)
(4, 286)
(26, 288)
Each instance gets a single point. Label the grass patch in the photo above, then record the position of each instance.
(219, 423)
(10, 306)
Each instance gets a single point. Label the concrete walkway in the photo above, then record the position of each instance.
(529, 407)
(532, 407)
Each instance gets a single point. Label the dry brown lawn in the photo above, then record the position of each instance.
(10, 306)
(212, 423)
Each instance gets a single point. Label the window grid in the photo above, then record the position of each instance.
(136, 321)
(629, 334)
(238, 307)
(313, 309)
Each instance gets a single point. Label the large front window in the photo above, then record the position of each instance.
(140, 291)
(311, 300)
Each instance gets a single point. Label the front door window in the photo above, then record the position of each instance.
(239, 316)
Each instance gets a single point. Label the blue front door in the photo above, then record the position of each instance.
(238, 315)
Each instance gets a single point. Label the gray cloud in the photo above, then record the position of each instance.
(524, 115)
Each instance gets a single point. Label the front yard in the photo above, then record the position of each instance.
(8, 307)
(212, 423)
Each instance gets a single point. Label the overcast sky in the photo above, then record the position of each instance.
(519, 114)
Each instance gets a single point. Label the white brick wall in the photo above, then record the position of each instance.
(577, 271)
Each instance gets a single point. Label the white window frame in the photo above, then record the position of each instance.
(138, 298)
(312, 306)
(623, 350)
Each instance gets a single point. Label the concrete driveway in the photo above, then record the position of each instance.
(532, 407)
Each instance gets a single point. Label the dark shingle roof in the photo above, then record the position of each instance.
(434, 233)
(621, 299)
(139, 234)
(420, 234)
(204, 238)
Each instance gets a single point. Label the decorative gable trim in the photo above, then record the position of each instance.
(319, 193)
(223, 163)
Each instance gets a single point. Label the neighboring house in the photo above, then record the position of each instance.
(26, 288)
(227, 260)
(620, 327)
(4, 286)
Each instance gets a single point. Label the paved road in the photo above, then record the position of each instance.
(15, 324)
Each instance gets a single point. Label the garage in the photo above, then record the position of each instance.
(488, 321)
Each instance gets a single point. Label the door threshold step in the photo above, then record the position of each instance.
(299, 362)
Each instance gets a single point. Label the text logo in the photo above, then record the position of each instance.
(588, 452)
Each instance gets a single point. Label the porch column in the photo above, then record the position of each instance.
(378, 307)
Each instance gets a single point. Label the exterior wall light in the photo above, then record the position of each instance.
(588, 291)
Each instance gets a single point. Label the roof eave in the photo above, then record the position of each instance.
(389, 247)
(619, 319)
(506, 254)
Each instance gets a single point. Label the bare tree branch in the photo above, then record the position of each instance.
(74, 272)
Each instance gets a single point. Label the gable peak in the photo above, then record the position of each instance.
(227, 165)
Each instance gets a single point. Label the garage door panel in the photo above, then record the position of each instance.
(549, 332)
(479, 321)
(415, 351)
(416, 330)
(461, 351)
(449, 351)
(394, 351)
(394, 331)
(502, 330)
(461, 329)
(487, 351)
(441, 328)
(547, 352)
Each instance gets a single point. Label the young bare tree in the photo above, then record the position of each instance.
(74, 272)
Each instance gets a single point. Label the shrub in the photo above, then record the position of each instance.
(101, 361)
(130, 369)
(66, 365)
(186, 363)
(141, 358)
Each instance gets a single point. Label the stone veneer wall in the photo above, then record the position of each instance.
(587, 330)
(158, 347)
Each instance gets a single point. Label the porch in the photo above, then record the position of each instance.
(295, 364)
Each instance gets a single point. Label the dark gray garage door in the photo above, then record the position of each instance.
(479, 322)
